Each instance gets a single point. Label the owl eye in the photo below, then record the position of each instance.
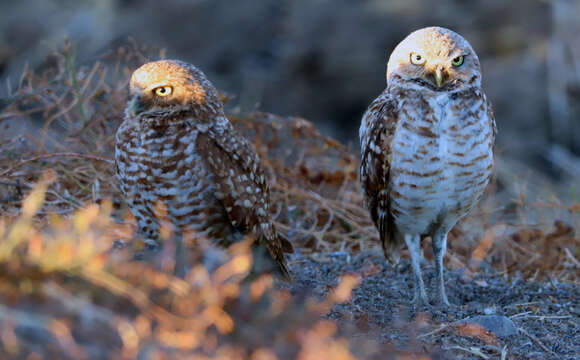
(458, 61)
(163, 91)
(417, 59)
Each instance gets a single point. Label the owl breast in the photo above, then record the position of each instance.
(441, 159)
(161, 165)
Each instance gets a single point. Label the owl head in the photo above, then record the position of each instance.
(436, 59)
(161, 88)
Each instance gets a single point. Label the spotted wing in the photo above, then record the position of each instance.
(242, 188)
(376, 135)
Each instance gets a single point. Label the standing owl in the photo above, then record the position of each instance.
(427, 146)
(176, 146)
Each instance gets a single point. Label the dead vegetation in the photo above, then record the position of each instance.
(65, 293)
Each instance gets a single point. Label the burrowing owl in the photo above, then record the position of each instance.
(427, 146)
(176, 146)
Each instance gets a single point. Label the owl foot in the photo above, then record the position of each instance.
(442, 299)
(442, 296)
(420, 298)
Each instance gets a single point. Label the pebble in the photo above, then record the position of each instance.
(500, 326)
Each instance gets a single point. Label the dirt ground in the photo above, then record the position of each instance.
(527, 320)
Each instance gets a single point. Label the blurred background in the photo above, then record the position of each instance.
(325, 60)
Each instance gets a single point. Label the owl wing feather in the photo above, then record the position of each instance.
(377, 132)
(242, 188)
(491, 118)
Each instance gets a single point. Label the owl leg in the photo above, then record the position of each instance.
(180, 269)
(439, 240)
(414, 245)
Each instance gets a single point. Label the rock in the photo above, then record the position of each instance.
(489, 310)
(500, 326)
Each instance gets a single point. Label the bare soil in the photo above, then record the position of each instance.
(546, 314)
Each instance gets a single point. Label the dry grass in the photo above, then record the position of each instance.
(64, 294)
(60, 211)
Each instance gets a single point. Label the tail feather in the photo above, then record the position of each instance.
(270, 259)
(386, 226)
(276, 246)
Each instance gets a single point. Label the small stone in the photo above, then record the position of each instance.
(500, 326)
(481, 283)
(489, 310)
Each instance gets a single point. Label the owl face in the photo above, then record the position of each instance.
(436, 59)
(161, 87)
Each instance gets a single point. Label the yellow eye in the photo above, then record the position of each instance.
(417, 59)
(163, 91)
(458, 61)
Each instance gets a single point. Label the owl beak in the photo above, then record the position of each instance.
(136, 106)
(438, 77)
(436, 74)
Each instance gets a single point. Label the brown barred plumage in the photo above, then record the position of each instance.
(427, 146)
(176, 146)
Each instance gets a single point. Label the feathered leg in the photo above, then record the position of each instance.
(439, 240)
(414, 245)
